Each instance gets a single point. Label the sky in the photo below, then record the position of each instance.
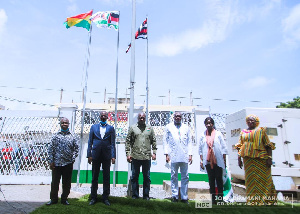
(223, 54)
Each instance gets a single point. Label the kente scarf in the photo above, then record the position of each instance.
(210, 154)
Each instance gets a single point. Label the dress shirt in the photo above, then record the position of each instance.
(63, 149)
(177, 142)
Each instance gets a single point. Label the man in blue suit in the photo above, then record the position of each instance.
(101, 150)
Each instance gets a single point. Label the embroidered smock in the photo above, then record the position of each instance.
(253, 143)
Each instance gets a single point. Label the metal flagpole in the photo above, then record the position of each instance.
(116, 103)
(132, 73)
(147, 86)
(84, 102)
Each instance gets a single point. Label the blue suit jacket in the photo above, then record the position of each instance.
(101, 148)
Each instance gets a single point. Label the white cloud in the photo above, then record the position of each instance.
(3, 20)
(291, 27)
(257, 82)
(224, 15)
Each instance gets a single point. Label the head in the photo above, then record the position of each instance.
(252, 121)
(141, 118)
(103, 116)
(64, 123)
(209, 123)
(177, 118)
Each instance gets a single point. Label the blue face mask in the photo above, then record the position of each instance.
(65, 130)
(103, 123)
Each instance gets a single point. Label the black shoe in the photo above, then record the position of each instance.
(185, 201)
(134, 197)
(65, 202)
(174, 200)
(146, 198)
(51, 202)
(106, 202)
(93, 201)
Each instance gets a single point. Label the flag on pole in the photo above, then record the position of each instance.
(81, 20)
(142, 33)
(106, 19)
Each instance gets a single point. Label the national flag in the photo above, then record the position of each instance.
(129, 46)
(106, 19)
(81, 20)
(142, 33)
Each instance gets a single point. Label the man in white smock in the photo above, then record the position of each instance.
(178, 148)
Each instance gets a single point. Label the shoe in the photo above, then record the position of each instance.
(65, 202)
(93, 201)
(174, 200)
(134, 197)
(51, 202)
(106, 202)
(185, 201)
(146, 198)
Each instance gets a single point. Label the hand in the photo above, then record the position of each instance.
(167, 158)
(90, 160)
(52, 166)
(113, 160)
(190, 159)
(201, 165)
(240, 162)
(269, 162)
(129, 159)
(153, 156)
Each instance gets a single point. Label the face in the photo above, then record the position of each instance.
(103, 116)
(142, 118)
(177, 118)
(251, 123)
(209, 125)
(64, 123)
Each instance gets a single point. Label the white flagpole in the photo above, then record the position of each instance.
(147, 86)
(84, 102)
(132, 73)
(116, 102)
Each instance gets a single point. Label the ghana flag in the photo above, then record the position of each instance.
(81, 20)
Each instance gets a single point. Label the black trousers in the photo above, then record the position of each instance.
(106, 178)
(215, 175)
(135, 166)
(66, 173)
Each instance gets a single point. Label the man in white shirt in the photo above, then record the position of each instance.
(178, 148)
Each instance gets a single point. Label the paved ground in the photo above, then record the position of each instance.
(15, 199)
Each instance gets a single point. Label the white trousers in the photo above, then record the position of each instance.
(184, 179)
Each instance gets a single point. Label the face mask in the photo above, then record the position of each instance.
(102, 123)
(65, 130)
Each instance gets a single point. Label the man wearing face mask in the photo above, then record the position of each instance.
(62, 151)
(178, 148)
(101, 151)
(140, 139)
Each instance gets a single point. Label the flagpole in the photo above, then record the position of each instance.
(147, 86)
(84, 102)
(116, 102)
(132, 73)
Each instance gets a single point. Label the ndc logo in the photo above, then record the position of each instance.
(203, 201)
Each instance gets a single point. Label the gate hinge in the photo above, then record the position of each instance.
(290, 164)
(287, 142)
(280, 126)
(285, 162)
(284, 120)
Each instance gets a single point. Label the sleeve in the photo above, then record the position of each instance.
(239, 145)
(190, 143)
(128, 142)
(166, 141)
(51, 150)
(223, 144)
(90, 143)
(153, 141)
(113, 143)
(76, 147)
(266, 141)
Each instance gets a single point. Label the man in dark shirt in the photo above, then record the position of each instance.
(101, 151)
(62, 152)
